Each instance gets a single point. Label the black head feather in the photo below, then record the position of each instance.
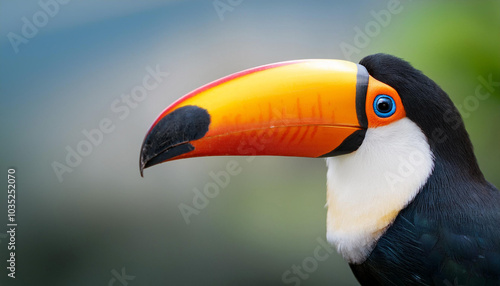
(430, 108)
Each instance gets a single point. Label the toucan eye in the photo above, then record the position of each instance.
(384, 106)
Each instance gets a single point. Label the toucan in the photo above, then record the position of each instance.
(407, 201)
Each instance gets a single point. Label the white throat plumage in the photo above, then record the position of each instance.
(366, 189)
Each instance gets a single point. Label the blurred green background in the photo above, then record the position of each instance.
(102, 218)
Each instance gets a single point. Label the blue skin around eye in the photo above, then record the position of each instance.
(384, 114)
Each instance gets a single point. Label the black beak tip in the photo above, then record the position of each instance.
(141, 170)
(143, 157)
(170, 137)
(141, 163)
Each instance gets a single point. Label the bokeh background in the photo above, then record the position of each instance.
(102, 218)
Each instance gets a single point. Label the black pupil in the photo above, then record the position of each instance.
(384, 105)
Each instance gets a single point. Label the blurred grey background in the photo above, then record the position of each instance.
(69, 67)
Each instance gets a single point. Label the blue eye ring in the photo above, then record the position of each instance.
(384, 106)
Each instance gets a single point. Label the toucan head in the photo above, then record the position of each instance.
(367, 119)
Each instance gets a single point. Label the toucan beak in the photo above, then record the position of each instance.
(306, 108)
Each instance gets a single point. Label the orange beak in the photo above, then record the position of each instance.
(306, 108)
